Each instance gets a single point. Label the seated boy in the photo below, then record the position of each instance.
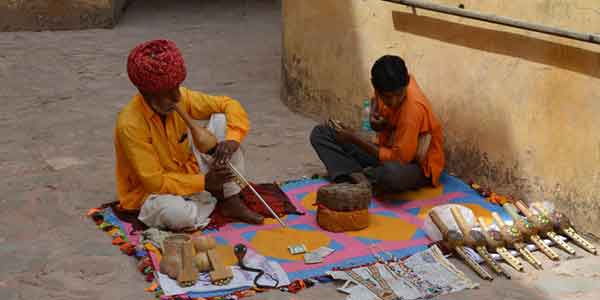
(409, 152)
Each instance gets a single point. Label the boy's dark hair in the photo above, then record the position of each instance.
(389, 74)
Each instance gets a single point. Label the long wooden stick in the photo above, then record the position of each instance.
(239, 175)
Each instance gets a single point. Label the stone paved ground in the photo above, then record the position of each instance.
(60, 93)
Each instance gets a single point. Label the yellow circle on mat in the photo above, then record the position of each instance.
(386, 229)
(275, 242)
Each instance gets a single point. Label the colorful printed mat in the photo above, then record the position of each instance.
(395, 227)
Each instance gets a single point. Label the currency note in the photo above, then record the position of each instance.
(312, 258)
(323, 251)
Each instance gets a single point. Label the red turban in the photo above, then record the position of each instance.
(156, 66)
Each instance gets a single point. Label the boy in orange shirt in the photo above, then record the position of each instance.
(409, 153)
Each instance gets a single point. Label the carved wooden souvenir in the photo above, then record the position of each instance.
(203, 243)
(497, 244)
(454, 240)
(529, 231)
(476, 240)
(514, 238)
(202, 262)
(170, 263)
(220, 273)
(544, 226)
(208, 260)
(562, 224)
(177, 261)
(188, 274)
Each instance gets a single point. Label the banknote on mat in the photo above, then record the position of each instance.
(312, 258)
(318, 255)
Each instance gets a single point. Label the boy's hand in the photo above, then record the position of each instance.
(378, 123)
(344, 136)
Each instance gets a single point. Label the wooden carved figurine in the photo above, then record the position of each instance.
(177, 261)
(544, 226)
(188, 274)
(454, 241)
(202, 244)
(170, 263)
(497, 244)
(207, 260)
(529, 231)
(184, 256)
(513, 238)
(563, 225)
(476, 240)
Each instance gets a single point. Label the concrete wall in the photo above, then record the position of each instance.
(35, 15)
(520, 109)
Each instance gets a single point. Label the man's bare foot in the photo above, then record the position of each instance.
(234, 208)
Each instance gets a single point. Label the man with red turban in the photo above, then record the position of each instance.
(159, 170)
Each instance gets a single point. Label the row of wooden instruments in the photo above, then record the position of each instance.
(531, 224)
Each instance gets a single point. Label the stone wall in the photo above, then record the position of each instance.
(36, 15)
(520, 109)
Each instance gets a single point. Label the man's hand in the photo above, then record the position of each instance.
(224, 151)
(215, 178)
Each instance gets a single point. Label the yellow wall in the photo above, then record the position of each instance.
(521, 110)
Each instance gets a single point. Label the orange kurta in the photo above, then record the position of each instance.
(413, 118)
(150, 159)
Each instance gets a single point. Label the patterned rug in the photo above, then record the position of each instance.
(396, 227)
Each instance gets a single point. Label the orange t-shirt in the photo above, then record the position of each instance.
(413, 118)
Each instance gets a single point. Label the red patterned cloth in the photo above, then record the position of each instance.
(272, 194)
(156, 66)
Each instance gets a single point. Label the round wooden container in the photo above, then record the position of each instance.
(344, 207)
(345, 196)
